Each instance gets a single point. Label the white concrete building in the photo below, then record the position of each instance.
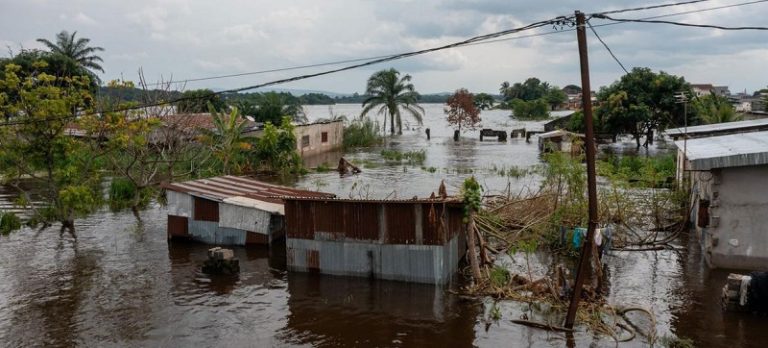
(729, 195)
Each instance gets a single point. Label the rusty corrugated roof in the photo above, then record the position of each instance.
(449, 200)
(228, 186)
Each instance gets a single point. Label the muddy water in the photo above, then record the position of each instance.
(120, 283)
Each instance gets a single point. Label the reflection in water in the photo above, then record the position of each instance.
(352, 312)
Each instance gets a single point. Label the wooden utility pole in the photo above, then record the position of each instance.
(586, 104)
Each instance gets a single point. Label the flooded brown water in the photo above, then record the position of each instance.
(121, 284)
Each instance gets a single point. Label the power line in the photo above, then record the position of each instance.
(652, 7)
(623, 20)
(482, 39)
(470, 41)
(607, 48)
(384, 56)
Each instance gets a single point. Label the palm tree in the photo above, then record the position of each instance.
(77, 50)
(391, 93)
(715, 109)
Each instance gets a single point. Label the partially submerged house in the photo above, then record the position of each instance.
(418, 240)
(729, 195)
(229, 210)
(319, 137)
(561, 140)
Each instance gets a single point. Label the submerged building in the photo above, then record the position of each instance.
(729, 195)
(229, 210)
(408, 240)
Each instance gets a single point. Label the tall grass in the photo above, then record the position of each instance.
(362, 132)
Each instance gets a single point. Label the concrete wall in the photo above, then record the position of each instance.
(737, 234)
(434, 264)
(314, 134)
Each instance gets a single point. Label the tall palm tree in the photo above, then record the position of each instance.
(226, 141)
(715, 109)
(391, 93)
(77, 50)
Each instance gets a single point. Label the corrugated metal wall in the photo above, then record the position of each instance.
(206, 209)
(402, 223)
(434, 264)
(179, 203)
(244, 218)
(209, 232)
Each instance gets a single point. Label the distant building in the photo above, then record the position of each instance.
(704, 89)
(729, 197)
(316, 138)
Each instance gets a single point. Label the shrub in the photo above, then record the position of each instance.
(362, 132)
(9, 222)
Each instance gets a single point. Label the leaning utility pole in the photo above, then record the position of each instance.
(586, 104)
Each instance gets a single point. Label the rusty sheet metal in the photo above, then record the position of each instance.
(256, 238)
(178, 226)
(299, 220)
(205, 209)
(362, 221)
(400, 223)
(219, 188)
(313, 260)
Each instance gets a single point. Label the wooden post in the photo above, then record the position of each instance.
(586, 102)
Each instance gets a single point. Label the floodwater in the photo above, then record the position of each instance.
(120, 283)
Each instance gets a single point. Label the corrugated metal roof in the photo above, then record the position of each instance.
(559, 133)
(274, 208)
(449, 200)
(718, 127)
(734, 150)
(223, 187)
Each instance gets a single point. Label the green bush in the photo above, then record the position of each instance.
(122, 190)
(530, 110)
(362, 132)
(9, 222)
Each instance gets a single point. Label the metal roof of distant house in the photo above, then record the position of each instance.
(733, 150)
(714, 129)
(559, 133)
(240, 190)
(448, 200)
(201, 120)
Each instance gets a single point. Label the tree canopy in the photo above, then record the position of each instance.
(713, 108)
(461, 110)
(641, 102)
(197, 100)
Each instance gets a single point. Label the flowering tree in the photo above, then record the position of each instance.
(461, 110)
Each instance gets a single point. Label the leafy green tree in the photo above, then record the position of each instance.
(556, 97)
(37, 148)
(530, 110)
(461, 110)
(713, 108)
(531, 89)
(643, 101)
(484, 101)
(276, 148)
(226, 141)
(196, 101)
(272, 107)
(78, 50)
(391, 93)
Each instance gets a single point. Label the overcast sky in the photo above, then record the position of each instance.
(192, 39)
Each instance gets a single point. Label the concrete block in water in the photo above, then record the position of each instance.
(221, 261)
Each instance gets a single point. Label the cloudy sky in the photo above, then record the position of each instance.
(183, 39)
